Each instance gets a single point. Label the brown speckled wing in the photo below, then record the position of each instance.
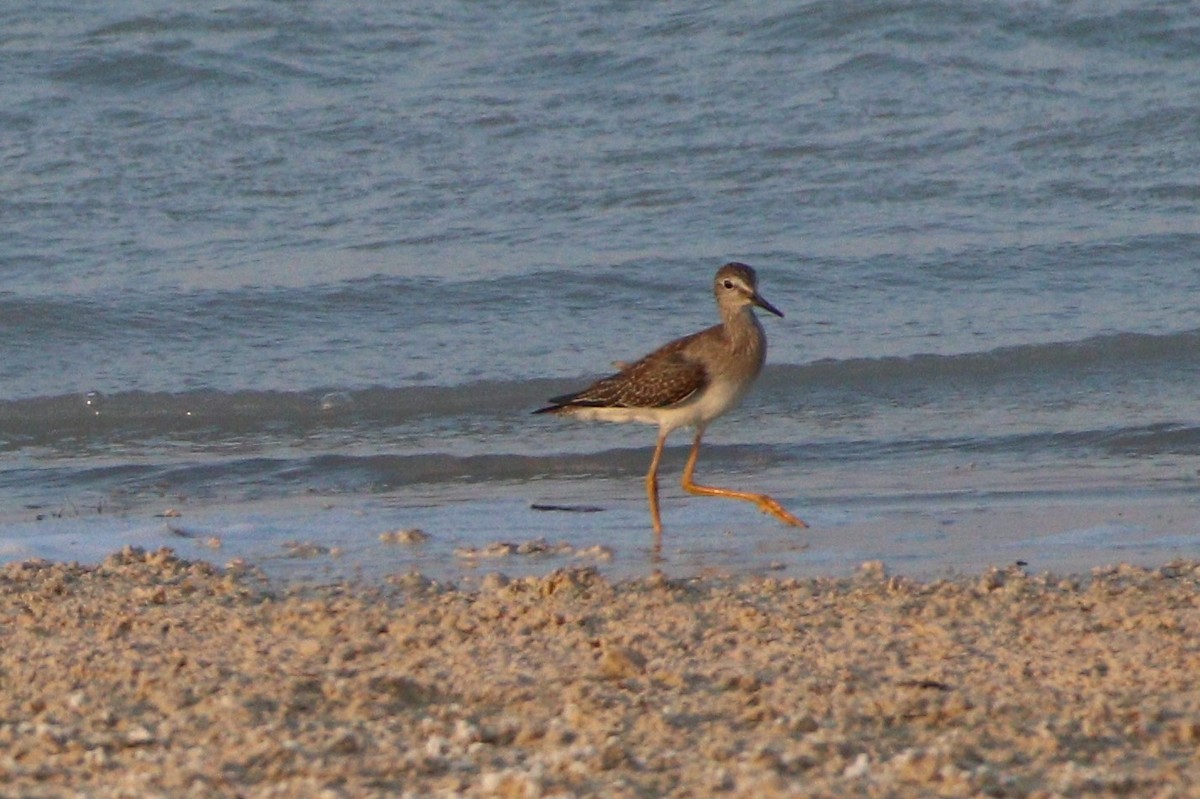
(664, 377)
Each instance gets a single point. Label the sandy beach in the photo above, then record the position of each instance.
(149, 675)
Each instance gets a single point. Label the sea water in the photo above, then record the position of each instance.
(281, 273)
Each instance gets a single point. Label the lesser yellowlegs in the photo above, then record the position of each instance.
(688, 383)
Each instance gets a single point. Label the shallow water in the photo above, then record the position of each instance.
(300, 274)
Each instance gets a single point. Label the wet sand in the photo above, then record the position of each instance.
(149, 675)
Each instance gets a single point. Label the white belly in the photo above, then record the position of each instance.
(718, 398)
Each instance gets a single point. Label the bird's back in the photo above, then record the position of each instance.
(668, 376)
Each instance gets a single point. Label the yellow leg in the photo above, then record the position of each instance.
(764, 502)
(652, 486)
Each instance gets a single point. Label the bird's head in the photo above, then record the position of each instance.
(736, 286)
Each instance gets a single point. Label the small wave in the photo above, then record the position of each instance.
(214, 415)
(201, 475)
(878, 66)
(1157, 439)
(211, 415)
(129, 70)
(1114, 353)
(1135, 441)
(258, 477)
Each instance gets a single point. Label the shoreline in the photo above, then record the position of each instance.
(151, 675)
(350, 538)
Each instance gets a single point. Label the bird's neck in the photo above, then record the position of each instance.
(744, 330)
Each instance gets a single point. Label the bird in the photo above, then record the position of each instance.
(688, 382)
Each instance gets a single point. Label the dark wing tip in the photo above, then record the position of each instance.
(558, 403)
(573, 401)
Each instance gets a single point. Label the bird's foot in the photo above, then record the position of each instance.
(768, 505)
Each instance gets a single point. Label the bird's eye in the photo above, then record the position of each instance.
(728, 284)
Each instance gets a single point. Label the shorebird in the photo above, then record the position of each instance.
(688, 383)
